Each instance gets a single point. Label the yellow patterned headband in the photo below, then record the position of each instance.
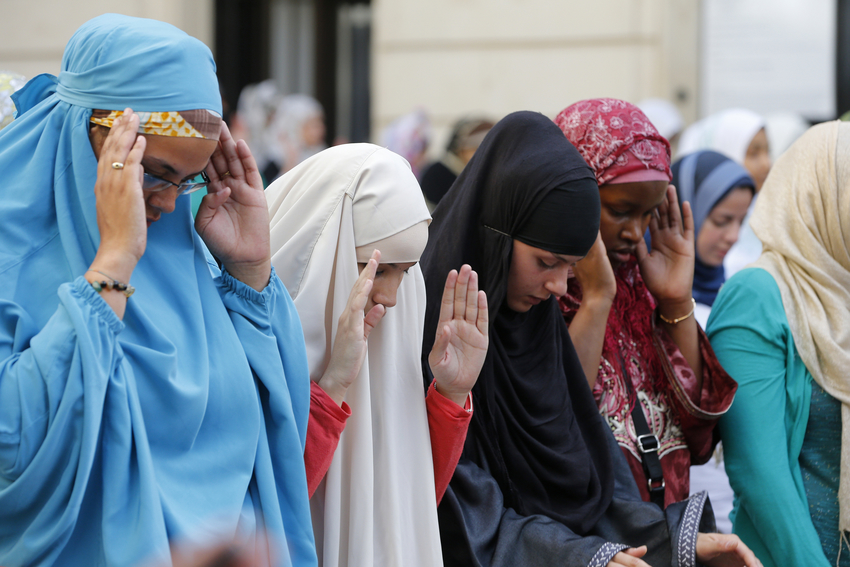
(184, 124)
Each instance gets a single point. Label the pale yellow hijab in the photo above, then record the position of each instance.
(803, 219)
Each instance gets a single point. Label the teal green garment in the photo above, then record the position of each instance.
(820, 462)
(197, 197)
(764, 430)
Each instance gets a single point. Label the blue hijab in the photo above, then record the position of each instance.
(704, 179)
(187, 419)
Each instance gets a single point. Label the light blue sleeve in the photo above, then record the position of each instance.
(41, 382)
(269, 329)
(763, 431)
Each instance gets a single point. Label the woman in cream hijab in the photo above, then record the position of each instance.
(328, 216)
(781, 328)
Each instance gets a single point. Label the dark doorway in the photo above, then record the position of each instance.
(241, 45)
(842, 58)
(317, 47)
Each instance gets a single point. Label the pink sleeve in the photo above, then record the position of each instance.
(448, 424)
(327, 420)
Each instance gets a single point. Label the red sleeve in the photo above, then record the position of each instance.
(698, 409)
(448, 423)
(327, 420)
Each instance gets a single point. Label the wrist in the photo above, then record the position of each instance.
(333, 388)
(598, 303)
(671, 312)
(118, 265)
(459, 397)
(253, 274)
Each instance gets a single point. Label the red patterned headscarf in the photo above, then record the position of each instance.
(617, 140)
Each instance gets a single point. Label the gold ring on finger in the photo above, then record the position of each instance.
(117, 165)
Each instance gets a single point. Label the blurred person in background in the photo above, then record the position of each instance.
(630, 311)
(781, 328)
(719, 191)
(298, 130)
(10, 83)
(783, 129)
(409, 136)
(255, 112)
(466, 135)
(665, 117)
(741, 135)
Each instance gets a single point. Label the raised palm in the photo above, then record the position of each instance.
(233, 218)
(669, 269)
(462, 336)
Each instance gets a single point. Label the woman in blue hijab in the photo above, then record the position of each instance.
(719, 191)
(177, 414)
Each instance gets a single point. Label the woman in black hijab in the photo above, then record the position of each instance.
(541, 480)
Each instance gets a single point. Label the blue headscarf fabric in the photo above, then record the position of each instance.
(185, 421)
(704, 179)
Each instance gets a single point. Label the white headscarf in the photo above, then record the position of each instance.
(376, 506)
(804, 223)
(664, 116)
(256, 106)
(783, 129)
(728, 132)
(286, 132)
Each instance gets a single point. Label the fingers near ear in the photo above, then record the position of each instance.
(674, 214)
(688, 220)
(249, 164)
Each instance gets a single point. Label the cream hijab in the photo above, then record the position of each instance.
(803, 220)
(376, 505)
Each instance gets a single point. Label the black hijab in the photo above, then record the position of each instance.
(535, 427)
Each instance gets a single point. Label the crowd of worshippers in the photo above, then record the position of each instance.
(328, 372)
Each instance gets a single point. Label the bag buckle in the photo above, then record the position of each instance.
(648, 443)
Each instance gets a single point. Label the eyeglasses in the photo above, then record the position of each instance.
(154, 183)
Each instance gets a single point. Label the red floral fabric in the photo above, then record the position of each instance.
(680, 415)
(614, 137)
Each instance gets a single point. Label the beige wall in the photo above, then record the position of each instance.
(455, 57)
(35, 31)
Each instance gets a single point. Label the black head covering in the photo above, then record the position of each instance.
(535, 427)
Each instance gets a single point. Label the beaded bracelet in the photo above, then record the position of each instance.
(112, 284)
(679, 319)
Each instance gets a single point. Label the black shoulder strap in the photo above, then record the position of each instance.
(648, 446)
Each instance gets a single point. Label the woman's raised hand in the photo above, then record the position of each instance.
(233, 218)
(119, 199)
(462, 336)
(595, 274)
(669, 269)
(353, 330)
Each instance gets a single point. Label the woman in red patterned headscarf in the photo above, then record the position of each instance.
(630, 311)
